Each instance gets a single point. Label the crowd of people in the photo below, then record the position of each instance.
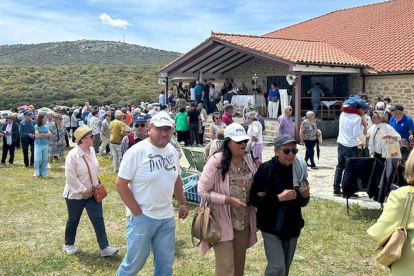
(246, 192)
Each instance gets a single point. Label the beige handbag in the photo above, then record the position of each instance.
(390, 248)
(205, 225)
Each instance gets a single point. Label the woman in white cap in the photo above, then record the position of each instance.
(308, 135)
(225, 183)
(81, 161)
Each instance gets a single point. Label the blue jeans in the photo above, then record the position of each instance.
(95, 213)
(41, 153)
(316, 106)
(206, 104)
(343, 154)
(198, 99)
(143, 233)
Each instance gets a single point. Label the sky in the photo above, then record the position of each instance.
(175, 25)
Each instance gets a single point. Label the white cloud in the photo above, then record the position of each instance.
(107, 20)
(1, 22)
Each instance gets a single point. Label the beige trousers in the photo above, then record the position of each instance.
(231, 255)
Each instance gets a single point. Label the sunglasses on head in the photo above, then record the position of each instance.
(287, 151)
(243, 141)
(139, 125)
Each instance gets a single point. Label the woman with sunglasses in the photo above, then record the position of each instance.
(279, 192)
(216, 125)
(81, 167)
(225, 183)
(41, 149)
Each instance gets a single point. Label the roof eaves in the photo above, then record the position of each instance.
(185, 54)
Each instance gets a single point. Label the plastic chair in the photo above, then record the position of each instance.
(190, 180)
(199, 160)
(190, 158)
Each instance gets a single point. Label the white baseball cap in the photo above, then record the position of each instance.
(249, 100)
(161, 119)
(235, 132)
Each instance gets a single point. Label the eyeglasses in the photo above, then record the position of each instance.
(107, 115)
(241, 142)
(166, 130)
(287, 151)
(90, 136)
(139, 125)
(217, 118)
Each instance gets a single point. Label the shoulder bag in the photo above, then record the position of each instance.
(390, 248)
(98, 192)
(205, 225)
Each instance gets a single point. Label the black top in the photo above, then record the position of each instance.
(283, 219)
(193, 114)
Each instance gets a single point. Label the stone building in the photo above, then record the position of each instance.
(363, 49)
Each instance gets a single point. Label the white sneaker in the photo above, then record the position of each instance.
(35, 175)
(48, 166)
(62, 167)
(70, 249)
(109, 251)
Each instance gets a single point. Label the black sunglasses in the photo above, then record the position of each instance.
(287, 151)
(139, 125)
(243, 141)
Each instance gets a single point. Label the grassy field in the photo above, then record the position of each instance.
(33, 215)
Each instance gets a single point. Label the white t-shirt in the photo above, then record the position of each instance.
(349, 129)
(153, 172)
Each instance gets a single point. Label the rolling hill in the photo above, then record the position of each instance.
(83, 52)
(69, 73)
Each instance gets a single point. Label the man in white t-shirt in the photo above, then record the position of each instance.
(148, 178)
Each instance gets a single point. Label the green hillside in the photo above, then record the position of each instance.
(69, 73)
(74, 84)
(83, 52)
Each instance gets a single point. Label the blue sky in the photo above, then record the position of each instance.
(165, 24)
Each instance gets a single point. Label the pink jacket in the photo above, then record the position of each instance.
(211, 180)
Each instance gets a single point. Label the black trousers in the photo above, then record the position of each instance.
(183, 136)
(201, 135)
(94, 209)
(73, 131)
(26, 142)
(194, 134)
(8, 148)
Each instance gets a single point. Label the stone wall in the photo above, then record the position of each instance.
(399, 88)
(355, 84)
(246, 71)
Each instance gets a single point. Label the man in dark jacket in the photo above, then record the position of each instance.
(27, 134)
(279, 201)
(10, 131)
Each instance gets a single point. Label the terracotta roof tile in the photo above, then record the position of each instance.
(292, 50)
(381, 34)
